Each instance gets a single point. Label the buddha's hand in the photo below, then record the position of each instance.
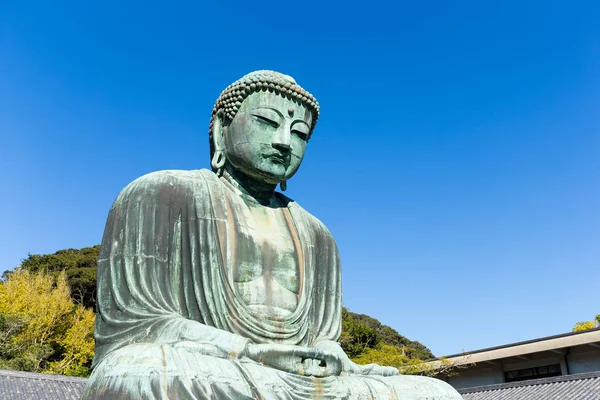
(295, 359)
(374, 369)
(350, 367)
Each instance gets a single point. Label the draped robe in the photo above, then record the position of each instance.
(170, 325)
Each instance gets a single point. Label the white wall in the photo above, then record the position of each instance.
(583, 361)
(476, 377)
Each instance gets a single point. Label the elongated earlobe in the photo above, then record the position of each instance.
(283, 186)
(218, 161)
(219, 158)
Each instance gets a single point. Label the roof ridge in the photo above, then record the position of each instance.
(515, 344)
(35, 375)
(532, 382)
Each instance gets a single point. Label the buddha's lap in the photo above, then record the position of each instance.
(159, 371)
(191, 368)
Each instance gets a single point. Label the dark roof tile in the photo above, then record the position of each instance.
(17, 385)
(568, 387)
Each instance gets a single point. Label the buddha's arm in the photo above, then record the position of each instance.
(156, 253)
(221, 343)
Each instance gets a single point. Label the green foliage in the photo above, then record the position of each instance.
(384, 354)
(367, 341)
(387, 335)
(79, 265)
(11, 326)
(356, 336)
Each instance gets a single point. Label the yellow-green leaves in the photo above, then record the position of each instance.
(78, 344)
(586, 325)
(41, 329)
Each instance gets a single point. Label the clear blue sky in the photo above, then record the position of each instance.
(456, 161)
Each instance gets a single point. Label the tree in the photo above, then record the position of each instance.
(368, 341)
(78, 344)
(390, 336)
(356, 337)
(396, 356)
(587, 325)
(41, 328)
(79, 265)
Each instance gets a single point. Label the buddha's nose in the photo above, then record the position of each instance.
(282, 141)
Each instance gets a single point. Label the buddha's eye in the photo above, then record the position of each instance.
(265, 120)
(300, 134)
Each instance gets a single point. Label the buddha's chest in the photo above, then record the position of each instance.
(265, 268)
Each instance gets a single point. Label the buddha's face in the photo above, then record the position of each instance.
(267, 138)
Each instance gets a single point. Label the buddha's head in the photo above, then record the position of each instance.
(260, 126)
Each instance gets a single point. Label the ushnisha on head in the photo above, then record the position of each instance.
(239, 136)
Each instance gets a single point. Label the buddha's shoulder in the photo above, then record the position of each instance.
(309, 219)
(172, 183)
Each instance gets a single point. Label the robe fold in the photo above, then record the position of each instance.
(169, 323)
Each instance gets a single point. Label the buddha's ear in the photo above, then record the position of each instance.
(218, 160)
(217, 132)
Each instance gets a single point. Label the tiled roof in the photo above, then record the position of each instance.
(568, 387)
(17, 385)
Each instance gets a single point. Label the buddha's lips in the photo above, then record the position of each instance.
(276, 158)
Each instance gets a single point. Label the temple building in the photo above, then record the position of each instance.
(564, 366)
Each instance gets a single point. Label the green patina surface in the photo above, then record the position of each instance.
(213, 285)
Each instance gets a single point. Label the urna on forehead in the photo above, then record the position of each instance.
(230, 100)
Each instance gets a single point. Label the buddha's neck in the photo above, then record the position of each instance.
(262, 192)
